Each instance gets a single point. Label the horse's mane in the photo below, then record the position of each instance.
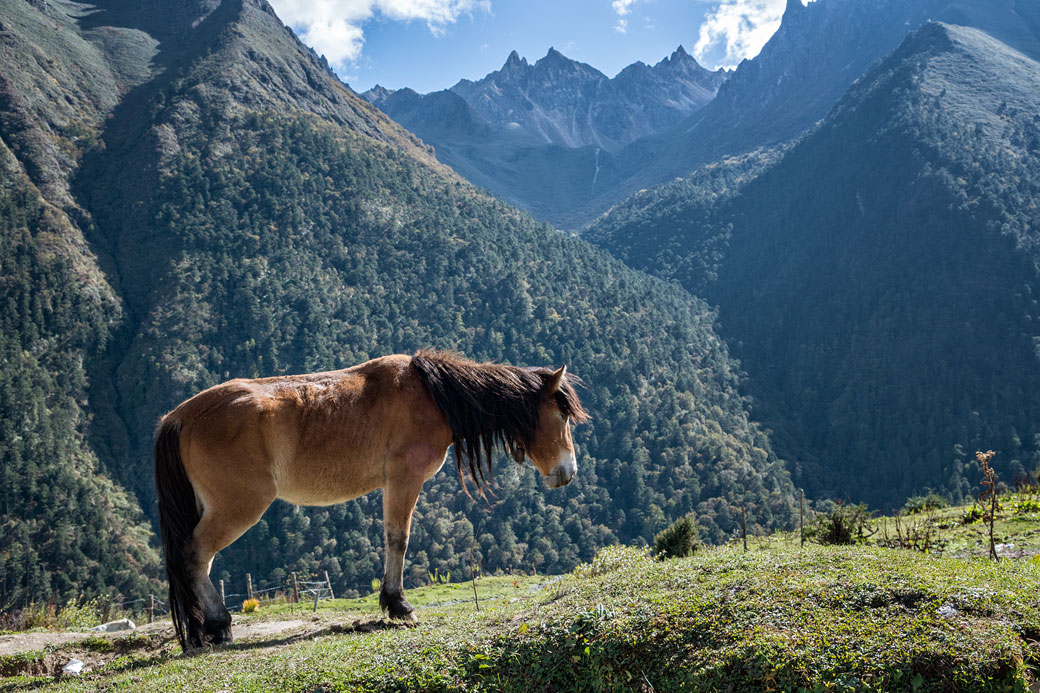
(490, 405)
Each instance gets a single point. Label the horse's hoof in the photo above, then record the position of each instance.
(221, 638)
(401, 610)
(396, 606)
(218, 632)
(408, 617)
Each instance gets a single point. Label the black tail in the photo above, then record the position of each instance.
(178, 516)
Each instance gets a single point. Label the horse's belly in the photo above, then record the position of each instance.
(322, 494)
(326, 481)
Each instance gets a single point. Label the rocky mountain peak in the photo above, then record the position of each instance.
(555, 56)
(565, 102)
(514, 61)
(378, 94)
(681, 58)
(681, 62)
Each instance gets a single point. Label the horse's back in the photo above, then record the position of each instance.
(314, 439)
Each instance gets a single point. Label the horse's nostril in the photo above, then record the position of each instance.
(560, 477)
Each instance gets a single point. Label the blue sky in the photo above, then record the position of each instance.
(431, 44)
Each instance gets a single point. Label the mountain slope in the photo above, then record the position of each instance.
(817, 52)
(65, 525)
(252, 216)
(880, 281)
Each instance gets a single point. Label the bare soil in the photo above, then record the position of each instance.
(47, 654)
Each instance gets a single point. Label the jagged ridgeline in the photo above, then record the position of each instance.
(255, 217)
(880, 280)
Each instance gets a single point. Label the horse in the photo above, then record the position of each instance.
(223, 456)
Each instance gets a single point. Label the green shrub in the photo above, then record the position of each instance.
(75, 615)
(972, 515)
(1029, 505)
(920, 504)
(846, 524)
(678, 540)
(613, 558)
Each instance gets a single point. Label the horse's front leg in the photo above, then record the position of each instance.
(399, 498)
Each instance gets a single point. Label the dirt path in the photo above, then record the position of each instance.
(47, 654)
(27, 642)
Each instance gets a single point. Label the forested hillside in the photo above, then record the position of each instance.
(248, 215)
(65, 526)
(879, 282)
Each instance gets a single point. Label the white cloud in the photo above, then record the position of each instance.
(622, 7)
(333, 28)
(737, 29)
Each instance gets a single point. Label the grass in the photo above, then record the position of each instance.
(489, 588)
(778, 617)
(1017, 527)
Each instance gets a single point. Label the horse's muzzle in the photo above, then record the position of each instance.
(562, 473)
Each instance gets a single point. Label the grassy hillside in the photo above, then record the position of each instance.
(775, 617)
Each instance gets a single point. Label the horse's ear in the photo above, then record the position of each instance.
(556, 379)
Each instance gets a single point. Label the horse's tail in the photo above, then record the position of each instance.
(178, 516)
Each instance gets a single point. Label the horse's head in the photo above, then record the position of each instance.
(552, 450)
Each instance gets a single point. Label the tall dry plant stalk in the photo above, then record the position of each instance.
(989, 496)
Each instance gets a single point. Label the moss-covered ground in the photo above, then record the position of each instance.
(777, 617)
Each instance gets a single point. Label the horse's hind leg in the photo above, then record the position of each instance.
(399, 500)
(219, 527)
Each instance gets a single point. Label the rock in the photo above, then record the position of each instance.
(73, 668)
(114, 626)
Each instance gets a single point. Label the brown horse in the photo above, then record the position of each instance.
(223, 456)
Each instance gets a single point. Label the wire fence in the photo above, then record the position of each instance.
(293, 591)
(150, 608)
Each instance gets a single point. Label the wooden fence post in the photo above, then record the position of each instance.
(151, 607)
(223, 600)
(108, 609)
(295, 589)
(743, 525)
(249, 586)
(801, 516)
(328, 583)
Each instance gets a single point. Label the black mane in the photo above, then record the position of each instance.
(490, 405)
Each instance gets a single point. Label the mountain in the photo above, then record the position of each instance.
(191, 195)
(67, 526)
(878, 280)
(770, 100)
(571, 104)
(555, 120)
(801, 72)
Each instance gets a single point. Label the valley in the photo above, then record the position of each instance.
(815, 273)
